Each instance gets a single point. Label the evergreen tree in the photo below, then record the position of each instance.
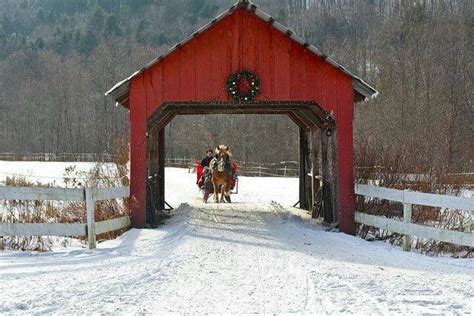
(208, 11)
(77, 40)
(196, 5)
(40, 16)
(88, 43)
(140, 33)
(109, 5)
(3, 42)
(51, 17)
(112, 26)
(39, 43)
(96, 20)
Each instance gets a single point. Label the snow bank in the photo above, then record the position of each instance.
(252, 256)
(44, 172)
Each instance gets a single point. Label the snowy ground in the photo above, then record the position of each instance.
(44, 172)
(252, 256)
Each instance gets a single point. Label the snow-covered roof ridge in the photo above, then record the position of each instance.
(120, 90)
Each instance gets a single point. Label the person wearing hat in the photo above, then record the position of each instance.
(207, 160)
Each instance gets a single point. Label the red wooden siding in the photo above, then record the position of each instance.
(345, 154)
(198, 71)
(156, 85)
(266, 61)
(187, 72)
(138, 162)
(203, 66)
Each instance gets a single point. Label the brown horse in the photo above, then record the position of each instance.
(221, 174)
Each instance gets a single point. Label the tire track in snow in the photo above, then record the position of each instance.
(262, 284)
(214, 216)
(323, 274)
(231, 258)
(231, 210)
(221, 264)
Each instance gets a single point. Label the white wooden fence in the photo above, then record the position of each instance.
(259, 171)
(89, 195)
(69, 157)
(410, 198)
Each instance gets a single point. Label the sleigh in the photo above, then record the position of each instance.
(200, 179)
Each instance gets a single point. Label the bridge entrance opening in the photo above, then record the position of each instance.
(317, 189)
(290, 77)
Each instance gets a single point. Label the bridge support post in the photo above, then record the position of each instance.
(305, 185)
(334, 175)
(161, 169)
(327, 181)
(155, 200)
(315, 171)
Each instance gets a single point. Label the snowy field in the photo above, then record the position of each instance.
(257, 255)
(45, 172)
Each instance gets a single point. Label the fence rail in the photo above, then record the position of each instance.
(43, 229)
(85, 157)
(254, 171)
(290, 169)
(89, 229)
(406, 227)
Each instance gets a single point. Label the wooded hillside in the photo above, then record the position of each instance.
(57, 58)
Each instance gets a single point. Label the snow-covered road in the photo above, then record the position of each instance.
(258, 257)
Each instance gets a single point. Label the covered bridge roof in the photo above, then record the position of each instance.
(363, 91)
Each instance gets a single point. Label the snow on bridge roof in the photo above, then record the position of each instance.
(120, 91)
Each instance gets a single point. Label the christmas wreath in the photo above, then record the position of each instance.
(243, 86)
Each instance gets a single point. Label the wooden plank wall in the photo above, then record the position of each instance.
(199, 69)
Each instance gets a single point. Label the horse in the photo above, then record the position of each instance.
(221, 174)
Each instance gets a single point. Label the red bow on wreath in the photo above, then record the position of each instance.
(243, 86)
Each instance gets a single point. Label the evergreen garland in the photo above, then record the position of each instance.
(243, 86)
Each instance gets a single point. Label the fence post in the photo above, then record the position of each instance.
(2, 247)
(90, 219)
(284, 171)
(259, 171)
(407, 212)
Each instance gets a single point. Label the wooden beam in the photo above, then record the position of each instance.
(308, 183)
(315, 166)
(326, 118)
(43, 229)
(158, 115)
(166, 121)
(163, 114)
(300, 118)
(327, 194)
(304, 152)
(316, 122)
(161, 170)
(295, 119)
(152, 178)
(309, 114)
(334, 175)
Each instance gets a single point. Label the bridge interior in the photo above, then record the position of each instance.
(317, 143)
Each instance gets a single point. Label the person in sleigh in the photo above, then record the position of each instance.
(206, 183)
(204, 173)
(207, 160)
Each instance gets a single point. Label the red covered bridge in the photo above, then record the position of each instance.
(295, 79)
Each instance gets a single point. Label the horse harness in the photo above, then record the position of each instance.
(221, 165)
